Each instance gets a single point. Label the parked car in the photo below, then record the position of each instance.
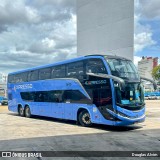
(1, 98)
(146, 97)
(152, 97)
(158, 97)
(3, 101)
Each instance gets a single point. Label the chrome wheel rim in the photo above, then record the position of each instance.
(86, 118)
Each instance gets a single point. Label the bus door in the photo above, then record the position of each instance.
(102, 98)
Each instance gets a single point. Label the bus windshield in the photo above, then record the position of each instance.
(132, 96)
(123, 68)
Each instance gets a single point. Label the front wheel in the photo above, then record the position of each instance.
(84, 119)
(27, 112)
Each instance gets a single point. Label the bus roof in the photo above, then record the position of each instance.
(68, 61)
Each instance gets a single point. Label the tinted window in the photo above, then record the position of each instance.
(45, 73)
(75, 70)
(33, 75)
(55, 96)
(11, 79)
(18, 78)
(22, 77)
(58, 72)
(95, 66)
(42, 96)
(74, 96)
(27, 96)
(102, 97)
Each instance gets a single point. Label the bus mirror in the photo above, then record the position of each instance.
(117, 79)
(153, 82)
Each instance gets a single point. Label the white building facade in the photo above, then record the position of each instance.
(146, 65)
(105, 27)
(3, 85)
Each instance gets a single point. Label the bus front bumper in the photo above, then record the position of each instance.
(123, 120)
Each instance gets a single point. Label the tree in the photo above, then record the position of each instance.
(156, 73)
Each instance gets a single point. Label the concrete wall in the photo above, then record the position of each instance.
(105, 27)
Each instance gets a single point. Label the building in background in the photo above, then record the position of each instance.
(145, 67)
(105, 27)
(3, 85)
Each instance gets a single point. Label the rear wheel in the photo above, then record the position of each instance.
(27, 112)
(84, 118)
(21, 111)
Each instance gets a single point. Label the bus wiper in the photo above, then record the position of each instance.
(117, 79)
(153, 82)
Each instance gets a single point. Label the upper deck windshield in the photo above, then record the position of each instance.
(123, 68)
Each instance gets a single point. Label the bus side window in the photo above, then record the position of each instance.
(44, 73)
(40, 96)
(95, 66)
(75, 70)
(58, 72)
(27, 96)
(18, 78)
(74, 96)
(54, 96)
(33, 75)
(21, 77)
(11, 79)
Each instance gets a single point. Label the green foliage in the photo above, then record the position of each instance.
(156, 73)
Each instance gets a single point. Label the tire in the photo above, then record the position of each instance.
(21, 111)
(27, 112)
(84, 118)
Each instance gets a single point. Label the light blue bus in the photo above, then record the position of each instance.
(100, 89)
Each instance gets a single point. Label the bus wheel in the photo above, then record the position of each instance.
(21, 111)
(84, 119)
(27, 112)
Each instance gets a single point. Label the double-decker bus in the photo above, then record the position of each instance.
(100, 89)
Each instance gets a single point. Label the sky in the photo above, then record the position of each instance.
(147, 29)
(37, 32)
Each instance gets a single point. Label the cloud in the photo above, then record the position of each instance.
(143, 36)
(17, 12)
(136, 60)
(36, 32)
(150, 9)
